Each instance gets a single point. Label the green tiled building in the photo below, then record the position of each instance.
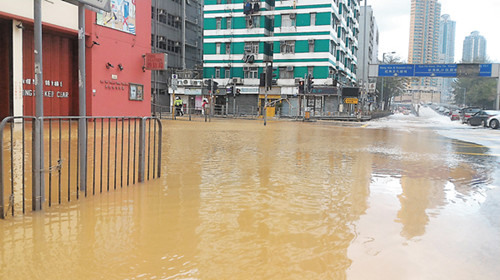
(299, 37)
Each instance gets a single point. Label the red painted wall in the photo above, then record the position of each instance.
(108, 88)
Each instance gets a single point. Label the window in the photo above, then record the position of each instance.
(253, 22)
(227, 72)
(286, 72)
(288, 20)
(313, 19)
(310, 70)
(217, 72)
(217, 48)
(218, 23)
(228, 22)
(251, 72)
(333, 47)
(228, 48)
(311, 45)
(287, 46)
(252, 47)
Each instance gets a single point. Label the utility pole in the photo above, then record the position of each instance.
(211, 99)
(82, 122)
(38, 188)
(465, 90)
(265, 93)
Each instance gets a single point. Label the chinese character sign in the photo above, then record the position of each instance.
(121, 17)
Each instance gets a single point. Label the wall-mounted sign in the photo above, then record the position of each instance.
(136, 92)
(350, 100)
(121, 16)
(156, 61)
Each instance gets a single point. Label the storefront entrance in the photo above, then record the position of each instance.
(60, 79)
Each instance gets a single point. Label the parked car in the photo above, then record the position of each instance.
(481, 117)
(455, 115)
(468, 112)
(493, 122)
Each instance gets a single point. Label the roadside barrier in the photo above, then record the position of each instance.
(118, 152)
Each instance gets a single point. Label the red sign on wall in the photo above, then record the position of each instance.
(156, 61)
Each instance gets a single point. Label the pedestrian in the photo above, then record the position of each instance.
(178, 106)
(204, 106)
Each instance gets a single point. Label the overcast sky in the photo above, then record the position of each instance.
(393, 20)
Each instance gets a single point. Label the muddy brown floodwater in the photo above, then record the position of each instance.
(291, 200)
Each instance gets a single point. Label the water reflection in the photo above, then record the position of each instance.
(238, 200)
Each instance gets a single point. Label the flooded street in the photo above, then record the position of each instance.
(397, 198)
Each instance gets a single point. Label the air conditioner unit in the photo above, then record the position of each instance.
(237, 81)
(177, 44)
(161, 38)
(248, 48)
(177, 19)
(292, 16)
(249, 58)
(289, 68)
(184, 82)
(311, 41)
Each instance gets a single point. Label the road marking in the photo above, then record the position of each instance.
(478, 154)
(365, 125)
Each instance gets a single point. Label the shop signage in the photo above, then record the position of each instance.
(156, 61)
(350, 100)
(47, 93)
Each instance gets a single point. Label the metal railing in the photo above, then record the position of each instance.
(120, 151)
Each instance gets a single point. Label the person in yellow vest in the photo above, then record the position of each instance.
(178, 106)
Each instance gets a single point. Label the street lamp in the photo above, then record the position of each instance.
(382, 91)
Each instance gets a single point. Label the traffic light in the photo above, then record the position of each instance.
(262, 82)
(215, 86)
(238, 91)
(301, 87)
(208, 84)
(271, 76)
(310, 82)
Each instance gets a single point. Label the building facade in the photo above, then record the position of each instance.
(474, 48)
(424, 39)
(299, 38)
(446, 52)
(177, 31)
(115, 46)
(368, 44)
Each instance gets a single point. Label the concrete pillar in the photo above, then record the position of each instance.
(17, 67)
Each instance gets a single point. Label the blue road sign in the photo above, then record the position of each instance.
(426, 70)
(485, 70)
(395, 70)
(435, 70)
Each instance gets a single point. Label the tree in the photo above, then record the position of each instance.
(479, 92)
(393, 86)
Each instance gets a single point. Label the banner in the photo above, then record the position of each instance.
(121, 17)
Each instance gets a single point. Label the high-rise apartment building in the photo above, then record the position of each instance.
(177, 31)
(424, 36)
(474, 48)
(368, 42)
(446, 52)
(300, 38)
(447, 29)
